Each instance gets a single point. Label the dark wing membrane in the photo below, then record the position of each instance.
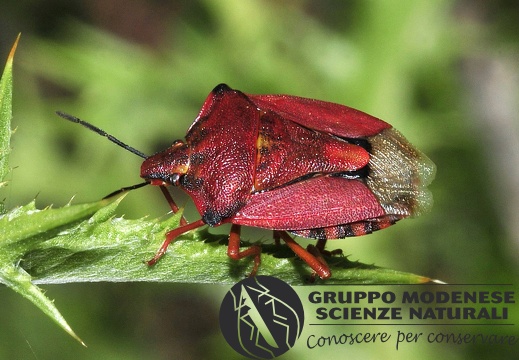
(399, 174)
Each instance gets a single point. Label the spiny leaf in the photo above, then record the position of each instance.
(18, 280)
(27, 222)
(6, 113)
(10, 273)
(24, 228)
(104, 248)
(59, 247)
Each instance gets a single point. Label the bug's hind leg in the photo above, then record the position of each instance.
(321, 243)
(314, 259)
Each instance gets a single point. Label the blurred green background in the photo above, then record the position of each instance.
(445, 73)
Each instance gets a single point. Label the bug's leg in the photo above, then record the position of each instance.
(315, 261)
(318, 253)
(172, 235)
(233, 250)
(277, 238)
(321, 243)
(172, 204)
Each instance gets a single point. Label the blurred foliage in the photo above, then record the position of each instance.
(141, 70)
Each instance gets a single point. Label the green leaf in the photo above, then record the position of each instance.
(85, 243)
(11, 274)
(24, 228)
(6, 113)
(18, 280)
(106, 248)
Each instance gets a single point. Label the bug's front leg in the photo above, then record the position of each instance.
(314, 259)
(174, 207)
(233, 250)
(172, 235)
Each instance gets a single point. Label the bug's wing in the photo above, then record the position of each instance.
(319, 115)
(313, 203)
(398, 173)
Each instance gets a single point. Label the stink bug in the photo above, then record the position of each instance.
(290, 164)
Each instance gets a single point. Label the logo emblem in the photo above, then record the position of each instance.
(261, 317)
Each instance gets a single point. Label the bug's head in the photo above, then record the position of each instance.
(166, 167)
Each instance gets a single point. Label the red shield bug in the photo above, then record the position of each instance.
(290, 164)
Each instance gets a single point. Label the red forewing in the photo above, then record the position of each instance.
(323, 116)
(397, 173)
(312, 203)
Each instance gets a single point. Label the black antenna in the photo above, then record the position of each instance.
(101, 132)
(128, 188)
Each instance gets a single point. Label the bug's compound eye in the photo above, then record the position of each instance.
(174, 179)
